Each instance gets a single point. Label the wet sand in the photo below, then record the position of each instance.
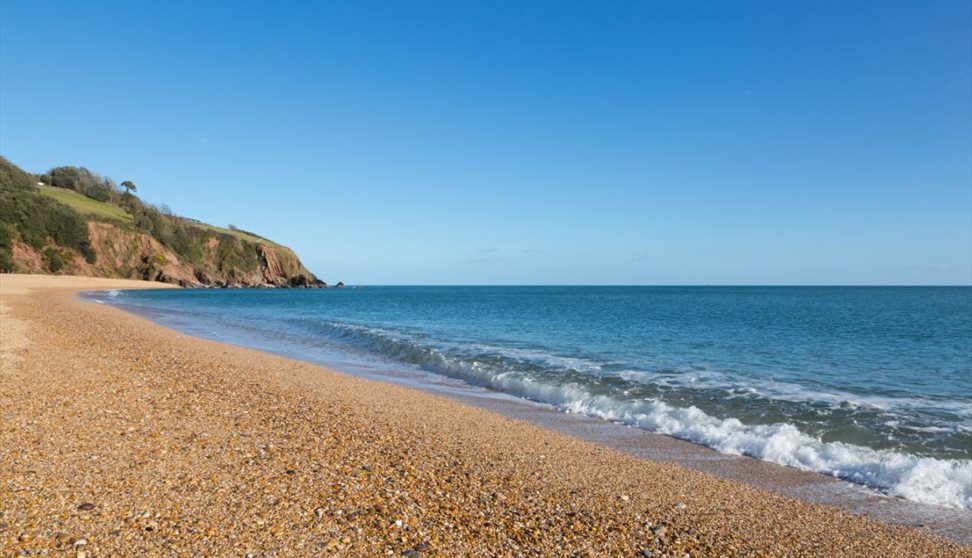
(119, 437)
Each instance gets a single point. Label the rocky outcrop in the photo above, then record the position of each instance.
(130, 254)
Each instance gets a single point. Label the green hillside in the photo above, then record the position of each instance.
(243, 235)
(71, 220)
(85, 205)
(105, 210)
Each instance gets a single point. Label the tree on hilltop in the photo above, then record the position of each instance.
(129, 186)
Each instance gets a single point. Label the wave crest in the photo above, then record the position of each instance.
(946, 482)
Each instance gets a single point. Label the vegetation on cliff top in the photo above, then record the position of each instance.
(50, 213)
(35, 219)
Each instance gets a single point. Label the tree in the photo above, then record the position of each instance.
(129, 187)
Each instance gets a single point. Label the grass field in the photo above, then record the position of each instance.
(86, 205)
(239, 234)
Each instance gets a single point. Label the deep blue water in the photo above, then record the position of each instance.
(871, 384)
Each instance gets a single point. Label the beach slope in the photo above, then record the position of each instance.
(119, 437)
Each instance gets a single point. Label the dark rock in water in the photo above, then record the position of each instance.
(340, 285)
(305, 282)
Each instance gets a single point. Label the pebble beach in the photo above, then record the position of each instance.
(119, 437)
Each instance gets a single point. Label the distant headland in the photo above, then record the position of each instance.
(72, 221)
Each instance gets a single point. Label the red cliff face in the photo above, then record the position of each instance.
(137, 255)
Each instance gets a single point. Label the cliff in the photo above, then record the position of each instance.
(48, 229)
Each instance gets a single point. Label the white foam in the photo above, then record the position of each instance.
(945, 482)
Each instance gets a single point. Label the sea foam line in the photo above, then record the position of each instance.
(945, 482)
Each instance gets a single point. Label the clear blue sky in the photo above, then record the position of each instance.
(524, 142)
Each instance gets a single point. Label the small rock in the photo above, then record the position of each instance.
(80, 542)
(319, 512)
(659, 530)
(398, 523)
(646, 554)
(114, 532)
(290, 471)
(82, 554)
(625, 498)
(680, 506)
(87, 506)
(62, 538)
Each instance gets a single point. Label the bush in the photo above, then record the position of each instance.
(7, 236)
(14, 179)
(101, 191)
(6, 261)
(73, 178)
(65, 177)
(53, 259)
(82, 181)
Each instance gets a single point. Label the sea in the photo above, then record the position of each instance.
(872, 385)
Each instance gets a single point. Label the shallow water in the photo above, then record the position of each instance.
(871, 384)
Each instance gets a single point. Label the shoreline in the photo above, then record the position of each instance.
(238, 451)
(804, 485)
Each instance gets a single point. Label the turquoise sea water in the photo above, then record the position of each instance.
(870, 384)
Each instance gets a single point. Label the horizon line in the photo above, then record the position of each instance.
(750, 285)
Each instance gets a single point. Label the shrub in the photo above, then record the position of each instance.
(14, 179)
(53, 260)
(65, 177)
(6, 261)
(101, 191)
(7, 236)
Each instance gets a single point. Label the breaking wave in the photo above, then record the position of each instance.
(573, 385)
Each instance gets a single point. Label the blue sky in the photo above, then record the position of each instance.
(524, 142)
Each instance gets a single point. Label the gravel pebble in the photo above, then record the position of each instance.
(209, 428)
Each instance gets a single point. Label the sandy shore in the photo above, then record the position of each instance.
(119, 437)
